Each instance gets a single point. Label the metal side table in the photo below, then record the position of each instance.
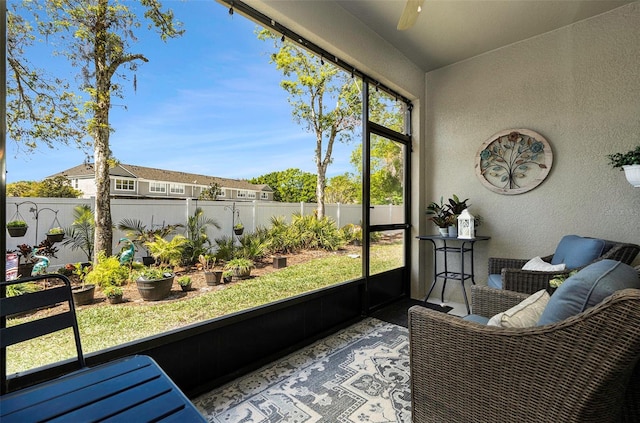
(465, 246)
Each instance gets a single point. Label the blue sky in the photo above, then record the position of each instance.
(208, 102)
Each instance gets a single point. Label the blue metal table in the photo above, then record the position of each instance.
(465, 246)
(133, 389)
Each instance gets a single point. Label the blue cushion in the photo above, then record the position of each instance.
(587, 288)
(576, 251)
(476, 318)
(495, 281)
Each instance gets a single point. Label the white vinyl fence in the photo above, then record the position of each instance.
(154, 213)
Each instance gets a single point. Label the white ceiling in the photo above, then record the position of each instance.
(448, 31)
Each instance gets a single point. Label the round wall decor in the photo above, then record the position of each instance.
(514, 161)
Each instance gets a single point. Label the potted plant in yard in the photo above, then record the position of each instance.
(17, 228)
(55, 234)
(238, 229)
(26, 258)
(211, 275)
(629, 162)
(185, 283)
(114, 294)
(106, 272)
(227, 276)
(239, 267)
(84, 293)
(154, 283)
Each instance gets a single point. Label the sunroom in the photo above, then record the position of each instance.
(466, 71)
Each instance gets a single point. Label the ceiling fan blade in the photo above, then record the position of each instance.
(410, 14)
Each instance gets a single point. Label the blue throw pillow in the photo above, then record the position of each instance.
(576, 251)
(587, 288)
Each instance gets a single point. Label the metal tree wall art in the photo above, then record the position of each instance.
(514, 161)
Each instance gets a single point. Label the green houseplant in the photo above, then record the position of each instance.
(17, 228)
(440, 215)
(629, 162)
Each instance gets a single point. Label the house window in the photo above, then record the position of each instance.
(176, 189)
(264, 195)
(74, 183)
(157, 187)
(222, 193)
(125, 185)
(242, 194)
(251, 194)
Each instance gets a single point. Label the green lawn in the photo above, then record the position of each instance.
(103, 327)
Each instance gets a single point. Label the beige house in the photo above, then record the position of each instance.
(131, 181)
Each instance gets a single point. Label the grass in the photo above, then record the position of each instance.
(103, 327)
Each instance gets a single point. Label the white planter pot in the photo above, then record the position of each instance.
(632, 172)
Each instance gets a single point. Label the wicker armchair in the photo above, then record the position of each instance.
(528, 281)
(579, 370)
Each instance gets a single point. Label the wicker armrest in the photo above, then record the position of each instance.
(487, 302)
(528, 281)
(464, 372)
(496, 264)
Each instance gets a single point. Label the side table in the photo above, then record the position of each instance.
(465, 246)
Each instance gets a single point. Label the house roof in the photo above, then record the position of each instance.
(85, 171)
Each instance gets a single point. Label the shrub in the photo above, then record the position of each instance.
(107, 271)
(111, 291)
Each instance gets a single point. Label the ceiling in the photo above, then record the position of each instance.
(449, 31)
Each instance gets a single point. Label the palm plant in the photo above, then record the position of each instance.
(198, 240)
(80, 235)
(138, 233)
(167, 253)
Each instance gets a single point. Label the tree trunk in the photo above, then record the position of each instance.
(100, 133)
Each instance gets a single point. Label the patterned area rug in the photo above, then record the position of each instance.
(360, 374)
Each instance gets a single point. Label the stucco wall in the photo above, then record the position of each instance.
(579, 87)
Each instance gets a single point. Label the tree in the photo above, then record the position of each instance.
(58, 186)
(211, 192)
(344, 189)
(95, 36)
(323, 98)
(290, 186)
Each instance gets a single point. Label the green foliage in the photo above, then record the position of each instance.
(439, 213)
(184, 280)
(56, 187)
(107, 271)
(79, 236)
(55, 231)
(631, 157)
(138, 233)
(22, 288)
(111, 291)
(167, 253)
(225, 248)
(304, 232)
(352, 232)
(152, 273)
(17, 224)
(344, 189)
(211, 192)
(207, 261)
(240, 267)
(198, 241)
(252, 246)
(290, 186)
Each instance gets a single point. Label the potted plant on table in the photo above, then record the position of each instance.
(629, 162)
(440, 214)
(55, 234)
(211, 275)
(17, 228)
